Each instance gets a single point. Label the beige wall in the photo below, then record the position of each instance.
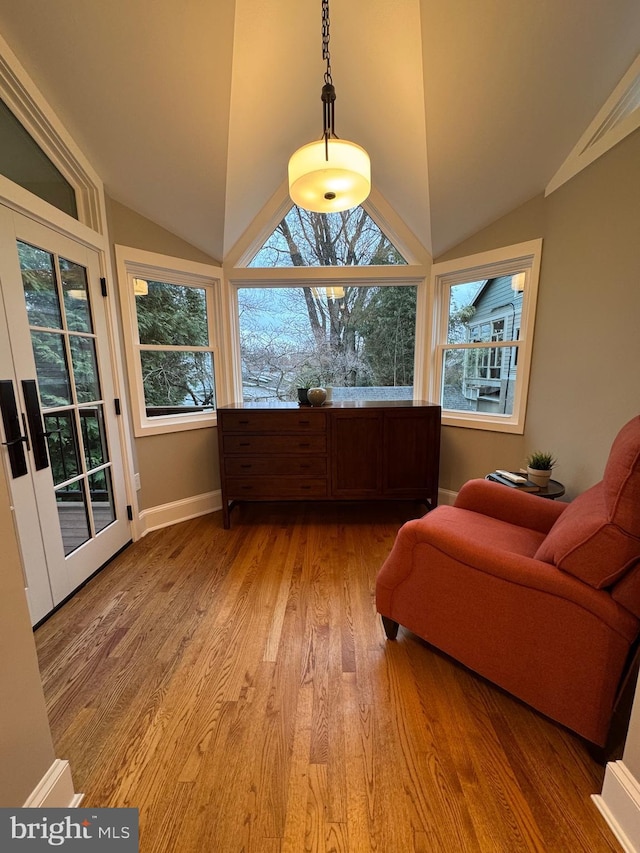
(128, 228)
(585, 372)
(179, 465)
(25, 739)
(175, 466)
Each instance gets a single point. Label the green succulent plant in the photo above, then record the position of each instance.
(541, 460)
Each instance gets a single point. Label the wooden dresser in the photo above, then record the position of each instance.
(339, 451)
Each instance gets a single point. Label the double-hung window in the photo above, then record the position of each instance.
(171, 319)
(483, 332)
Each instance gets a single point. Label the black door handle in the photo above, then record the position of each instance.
(12, 429)
(15, 441)
(34, 419)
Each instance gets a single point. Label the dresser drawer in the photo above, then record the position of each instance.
(303, 420)
(266, 488)
(275, 444)
(275, 466)
(343, 451)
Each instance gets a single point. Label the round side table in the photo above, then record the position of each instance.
(552, 491)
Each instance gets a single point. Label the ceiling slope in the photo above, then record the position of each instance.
(189, 110)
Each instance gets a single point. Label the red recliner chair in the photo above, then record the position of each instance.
(541, 598)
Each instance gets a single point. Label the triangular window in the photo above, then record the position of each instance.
(307, 239)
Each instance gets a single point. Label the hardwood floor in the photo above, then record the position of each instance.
(237, 688)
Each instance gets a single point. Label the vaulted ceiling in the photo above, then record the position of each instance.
(189, 109)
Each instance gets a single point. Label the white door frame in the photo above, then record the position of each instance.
(26, 101)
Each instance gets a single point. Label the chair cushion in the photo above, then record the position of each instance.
(456, 528)
(597, 538)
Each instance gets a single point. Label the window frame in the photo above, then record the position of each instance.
(415, 272)
(134, 263)
(510, 260)
(364, 276)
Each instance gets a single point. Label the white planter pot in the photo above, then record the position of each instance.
(539, 477)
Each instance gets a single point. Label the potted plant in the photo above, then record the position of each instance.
(540, 464)
(308, 377)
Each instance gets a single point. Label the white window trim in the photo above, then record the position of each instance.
(136, 263)
(505, 261)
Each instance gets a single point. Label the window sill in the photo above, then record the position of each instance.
(490, 423)
(174, 423)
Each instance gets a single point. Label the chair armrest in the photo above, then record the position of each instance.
(426, 552)
(507, 504)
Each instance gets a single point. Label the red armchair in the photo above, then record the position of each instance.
(541, 598)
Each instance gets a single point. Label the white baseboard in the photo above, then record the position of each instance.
(619, 804)
(55, 790)
(176, 511)
(446, 497)
(172, 513)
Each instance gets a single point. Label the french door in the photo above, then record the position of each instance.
(60, 438)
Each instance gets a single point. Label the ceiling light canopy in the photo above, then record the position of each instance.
(330, 174)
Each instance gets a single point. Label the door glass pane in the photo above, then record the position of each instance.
(39, 284)
(63, 446)
(51, 368)
(72, 514)
(93, 436)
(76, 296)
(101, 499)
(85, 368)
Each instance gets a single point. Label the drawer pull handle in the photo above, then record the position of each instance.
(243, 422)
(246, 466)
(304, 444)
(245, 444)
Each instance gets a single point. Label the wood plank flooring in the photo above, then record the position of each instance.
(237, 688)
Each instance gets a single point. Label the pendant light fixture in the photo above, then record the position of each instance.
(330, 174)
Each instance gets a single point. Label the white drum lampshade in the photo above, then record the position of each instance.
(329, 185)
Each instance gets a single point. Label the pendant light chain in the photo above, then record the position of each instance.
(325, 41)
(328, 90)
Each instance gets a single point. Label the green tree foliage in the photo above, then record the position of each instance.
(455, 361)
(174, 315)
(388, 329)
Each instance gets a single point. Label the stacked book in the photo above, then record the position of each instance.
(516, 481)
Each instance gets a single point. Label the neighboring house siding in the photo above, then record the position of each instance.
(489, 373)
